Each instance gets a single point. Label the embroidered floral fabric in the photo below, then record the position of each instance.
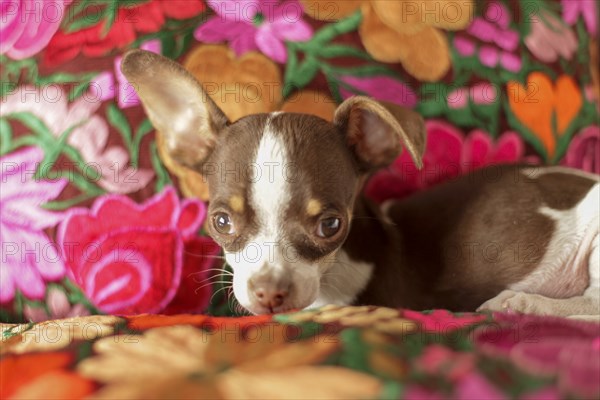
(96, 218)
(341, 353)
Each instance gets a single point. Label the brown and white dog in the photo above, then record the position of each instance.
(286, 206)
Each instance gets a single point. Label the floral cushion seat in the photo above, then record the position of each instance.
(109, 284)
(332, 352)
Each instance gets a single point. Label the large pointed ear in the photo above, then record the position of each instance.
(376, 131)
(176, 104)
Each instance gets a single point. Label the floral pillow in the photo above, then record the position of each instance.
(96, 218)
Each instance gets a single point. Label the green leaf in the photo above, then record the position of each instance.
(78, 91)
(118, 120)
(5, 136)
(111, 14)
(162, 175)
(340, 50)
(346, 25)
(142, 130)
(34, 123)
(61, 205)
(86, 19)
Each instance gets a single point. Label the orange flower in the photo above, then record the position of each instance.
(41, 376)
(540, 102)
(242, 86)
(403, 31)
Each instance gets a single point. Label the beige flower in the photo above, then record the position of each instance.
(403, 31)
(382, 319)
(56, 334)
(186, 362)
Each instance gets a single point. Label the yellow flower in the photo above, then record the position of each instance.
(403, 31)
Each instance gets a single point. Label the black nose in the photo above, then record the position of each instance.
(270, 298)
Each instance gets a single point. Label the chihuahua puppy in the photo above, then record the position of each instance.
(286, 206)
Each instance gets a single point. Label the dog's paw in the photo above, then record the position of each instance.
(509, 300)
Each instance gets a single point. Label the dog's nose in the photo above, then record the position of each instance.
(270, 298)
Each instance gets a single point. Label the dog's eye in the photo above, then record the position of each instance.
(223, 224)
(328, 227)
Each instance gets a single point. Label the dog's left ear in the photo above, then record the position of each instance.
(376, 131)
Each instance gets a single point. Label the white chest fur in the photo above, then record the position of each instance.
(343, 281)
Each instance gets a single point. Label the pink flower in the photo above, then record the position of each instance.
(500, 41)
(550, 38)
(132, 259)
(255, 24)
(547, 346)
(587, 9)
(382, 88)
(27, 26)
(584, 150)
(438, 359)
(448, 154)
(475, 387)
(58, 306)
(89, 134)
(29, 259)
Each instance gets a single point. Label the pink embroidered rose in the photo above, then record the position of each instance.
(584, 150)
(27, 26)
(130, 258)
(28, 258)
(449, 153)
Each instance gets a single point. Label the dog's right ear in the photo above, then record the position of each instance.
(176, 104)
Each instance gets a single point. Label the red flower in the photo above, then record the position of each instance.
(132, 259)
(144, 18)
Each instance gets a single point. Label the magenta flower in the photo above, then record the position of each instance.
(584, 150)
(587, 9)
(29, 259)
(26, 27)
(448, 154)
(255, 25)
(559, 348)
(382, 88)
(500, 41)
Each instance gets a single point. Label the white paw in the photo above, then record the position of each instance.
(509, 300)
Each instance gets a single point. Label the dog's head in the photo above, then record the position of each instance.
(282, 186)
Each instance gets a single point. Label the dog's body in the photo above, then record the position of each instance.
(286, 206)
(458, 245)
